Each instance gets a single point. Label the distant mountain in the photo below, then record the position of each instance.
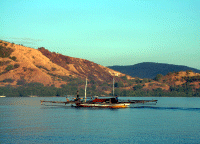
(150, 69)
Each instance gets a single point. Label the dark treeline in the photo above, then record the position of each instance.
(173, 92)
(37, 89)
(40, 90)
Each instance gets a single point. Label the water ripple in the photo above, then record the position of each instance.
(164, 108)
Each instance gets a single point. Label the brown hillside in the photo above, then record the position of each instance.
(178, 78)
(20, 63)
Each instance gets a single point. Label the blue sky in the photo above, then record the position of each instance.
(107, 32)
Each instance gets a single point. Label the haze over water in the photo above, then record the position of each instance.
(172, 120)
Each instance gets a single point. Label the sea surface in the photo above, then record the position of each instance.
(171, 120)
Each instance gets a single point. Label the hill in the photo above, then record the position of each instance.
(150, 69)
(23, 67)
(49, 68)
(26, 71)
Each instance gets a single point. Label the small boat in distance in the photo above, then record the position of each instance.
(32, 95)
(2, 95)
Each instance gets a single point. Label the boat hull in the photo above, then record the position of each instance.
(117, 105)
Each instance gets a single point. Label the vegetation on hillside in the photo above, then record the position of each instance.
(5, 52)
(137, 85)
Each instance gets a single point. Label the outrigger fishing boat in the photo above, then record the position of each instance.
(102, 102)
(112, 103)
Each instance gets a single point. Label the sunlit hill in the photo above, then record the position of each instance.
(23, 67)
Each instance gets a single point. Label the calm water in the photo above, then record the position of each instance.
(172, 120)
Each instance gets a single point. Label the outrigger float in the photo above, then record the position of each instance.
(102, 102)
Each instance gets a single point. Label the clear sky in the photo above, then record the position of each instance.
(107, 32)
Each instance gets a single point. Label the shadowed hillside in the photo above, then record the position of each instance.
(81, 67)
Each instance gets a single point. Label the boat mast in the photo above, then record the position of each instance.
(113, 75)
(113, 86)
(85, 89)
